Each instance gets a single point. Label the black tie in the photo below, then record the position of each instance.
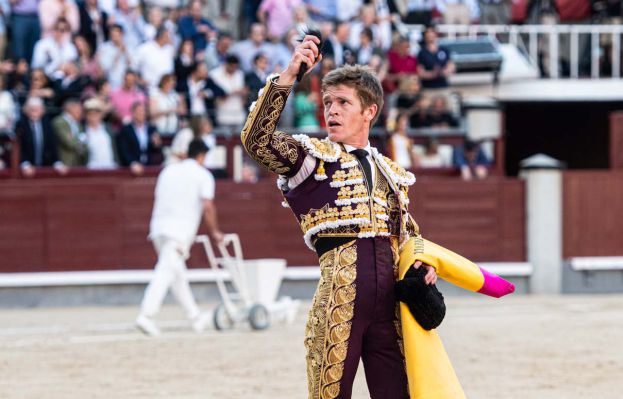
(362, 155)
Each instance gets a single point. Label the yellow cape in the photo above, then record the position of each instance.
(429, 370)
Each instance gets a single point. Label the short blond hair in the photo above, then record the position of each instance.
(363, 80)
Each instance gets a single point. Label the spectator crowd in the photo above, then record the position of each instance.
(107, 83)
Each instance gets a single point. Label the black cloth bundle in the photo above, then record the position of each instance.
(424, 300)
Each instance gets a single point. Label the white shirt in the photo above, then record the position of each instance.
(100, 149)
(197, 103)
(402, 152)
(231, 110)
(153, 61)
(166, 124)
(114, 63)
(180, 191)
(50, 55)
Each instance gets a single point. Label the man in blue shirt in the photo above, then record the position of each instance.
(196, 28)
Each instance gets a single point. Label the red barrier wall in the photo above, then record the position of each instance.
(101, 222)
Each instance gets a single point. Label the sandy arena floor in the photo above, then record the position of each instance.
(522, 347)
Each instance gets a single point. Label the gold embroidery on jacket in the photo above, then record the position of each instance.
(259, 137)
(329, 322)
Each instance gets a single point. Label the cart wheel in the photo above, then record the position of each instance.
(222, 320)
(259, 317)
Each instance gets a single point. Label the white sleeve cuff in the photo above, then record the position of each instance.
(309, 164)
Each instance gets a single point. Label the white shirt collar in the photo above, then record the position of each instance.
(350, 148)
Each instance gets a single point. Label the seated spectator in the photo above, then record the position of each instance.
(126, 96)
(431, 157)
(8, 109)
(93, 23)
(367, 49)
(88, 63)
(41, 87)
(165, 104)
(196, 28)
(55, 50)
(184, 62)
(277, 16)
(155, 58)
(471, 160)
(256, 78)
(67, 128)
(246, 50)
(218, 50)
(114, 57)
(305, 104)
(50, 11)
(434, 61)
(200, 92)
(129, 16)
(367, 20)
(438, 115)
(200, 128)
(230, 110)
(401, 64)
(37, 141)
(138, 142)
(400, 145)
(71, 85)
(336, 45)
(410, 101)
(99, 140)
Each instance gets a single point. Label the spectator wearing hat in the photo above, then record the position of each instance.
(102, 153)
(138, 142)
(230, 111)
(68, 131)
(38, 145)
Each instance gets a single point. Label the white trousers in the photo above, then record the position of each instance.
(170, 272)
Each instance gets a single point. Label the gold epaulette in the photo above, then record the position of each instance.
(324, 149)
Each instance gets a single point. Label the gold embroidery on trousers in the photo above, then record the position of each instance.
(329, 322)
